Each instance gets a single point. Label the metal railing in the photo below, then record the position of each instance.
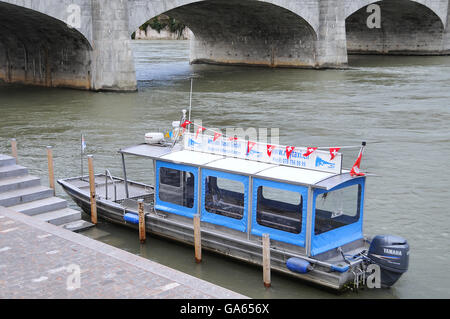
(108, 174)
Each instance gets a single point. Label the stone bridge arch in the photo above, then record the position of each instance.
(415, 27)
(141, 11)
(38, 49)
(249, 32)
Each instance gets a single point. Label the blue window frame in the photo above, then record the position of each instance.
(176, 196)
(344, 228)
(292, 222)
(223, 204)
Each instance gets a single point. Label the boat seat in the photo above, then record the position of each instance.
(281, 222)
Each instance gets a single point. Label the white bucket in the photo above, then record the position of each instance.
(154, 138)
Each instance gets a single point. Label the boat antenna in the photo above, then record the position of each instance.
(190, 104)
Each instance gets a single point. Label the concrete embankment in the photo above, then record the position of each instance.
(41, 260)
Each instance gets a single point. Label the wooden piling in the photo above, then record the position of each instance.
(92, 189)
(141, 221)
(197, 239)
(266, 259)
(51, 174)
(14, 149)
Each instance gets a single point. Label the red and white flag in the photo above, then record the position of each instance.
(199, 130)
(270, 149)
(233, 138)
(355, 169)
(186, 123)
(216, 136)
(250, 146)
(289, 150)
(333, 152)
(309, 151)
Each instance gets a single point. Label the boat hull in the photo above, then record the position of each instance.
(217, 239)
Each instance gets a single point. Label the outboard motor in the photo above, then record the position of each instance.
(391, 253)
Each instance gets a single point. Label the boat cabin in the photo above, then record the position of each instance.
(316, 210)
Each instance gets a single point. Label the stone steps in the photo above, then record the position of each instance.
(40, 206)
(24, 193)
(12, 171)
(60, 216)
(6, 160)
(18, 182)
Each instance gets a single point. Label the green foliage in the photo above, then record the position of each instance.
(161, 22)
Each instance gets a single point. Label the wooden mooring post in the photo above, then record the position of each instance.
(92, 189)
(197, 239)
(51, 173)
(141, 213)
(266, 259)
(14, 149)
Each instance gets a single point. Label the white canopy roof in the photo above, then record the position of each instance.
(287, 174)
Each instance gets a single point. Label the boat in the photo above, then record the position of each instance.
(301, 198)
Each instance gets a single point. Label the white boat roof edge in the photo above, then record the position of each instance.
(280, 173)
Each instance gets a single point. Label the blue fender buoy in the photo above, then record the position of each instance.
(298, 265)
(131, 218)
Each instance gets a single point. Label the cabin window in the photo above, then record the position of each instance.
(224, 197)
(279, 209)
(176, 187)
(337, 208)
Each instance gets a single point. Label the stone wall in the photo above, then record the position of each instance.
(406, 28)
(36, 49)
(247, 33)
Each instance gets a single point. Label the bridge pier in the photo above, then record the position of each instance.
(113, 62)
(332, 42)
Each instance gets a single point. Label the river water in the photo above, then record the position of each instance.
(399, 105)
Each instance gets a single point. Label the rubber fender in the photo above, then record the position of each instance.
(298, 265)
(131, 218)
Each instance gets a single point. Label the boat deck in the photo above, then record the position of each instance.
(116, 193)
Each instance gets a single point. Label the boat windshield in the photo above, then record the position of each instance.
(337, 208)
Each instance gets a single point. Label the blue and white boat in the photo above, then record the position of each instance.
(311, 209)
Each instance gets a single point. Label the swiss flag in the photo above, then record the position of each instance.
(199, 130)
(216, 136)
(333, 152)
(289, 150)
(355, 169)
(270, 149)
(250, 146)
(186, 123)
(309, 151)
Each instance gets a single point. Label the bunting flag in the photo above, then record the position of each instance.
(186, 123)
(216, 136)
(200, 130)
(289, 150)
(233, 138)
(250, 146)
(309, 151)
(270, 149)
(333, 152)
(355, 169)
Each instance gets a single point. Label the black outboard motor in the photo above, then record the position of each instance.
(391, 253)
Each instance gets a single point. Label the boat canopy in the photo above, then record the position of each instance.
(314, 209)
(280, 173)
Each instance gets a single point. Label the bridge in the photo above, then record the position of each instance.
(84, 44)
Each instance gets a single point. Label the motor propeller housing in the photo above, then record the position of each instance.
(391, 253)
